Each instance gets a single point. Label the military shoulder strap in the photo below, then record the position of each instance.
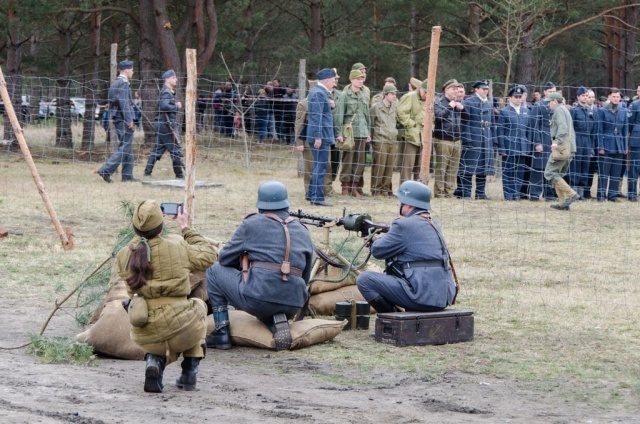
(428, 218)
(285, 267)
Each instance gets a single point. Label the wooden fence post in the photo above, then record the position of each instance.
(427, 132)
(190, 135)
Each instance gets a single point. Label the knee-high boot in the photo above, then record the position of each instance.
(187, 380)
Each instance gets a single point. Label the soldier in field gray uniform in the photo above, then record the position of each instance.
(415, 252)
(278, 266)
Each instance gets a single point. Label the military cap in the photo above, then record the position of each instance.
(415, 83)
(523, 87)
(582, 90)
(358, 66)
(603, 98)
(389, 88)
(125, 64)
(170, 73)
(554, 96)
(549, 85)
(481, 84)
(424, 83)
(147, 216)
(355, 73)
(326, 73)
(451, 82)
(515, 91)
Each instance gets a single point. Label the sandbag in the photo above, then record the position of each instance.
(118, 291)
(332, 273)
(110, 334)
(325, 303)
(247, 330)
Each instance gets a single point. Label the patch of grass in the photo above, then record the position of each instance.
(61, 350)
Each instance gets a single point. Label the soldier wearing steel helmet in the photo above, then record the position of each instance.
(270, 281)
(418, 275)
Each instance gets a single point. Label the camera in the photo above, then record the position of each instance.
(171, 208)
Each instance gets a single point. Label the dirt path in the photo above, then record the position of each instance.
(250, 385)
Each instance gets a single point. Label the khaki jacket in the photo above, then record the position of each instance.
(562, 127)
(411, 115)
(348, 103)
(172, 261)
(383, 123)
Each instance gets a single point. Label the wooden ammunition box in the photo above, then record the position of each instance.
(425, 328)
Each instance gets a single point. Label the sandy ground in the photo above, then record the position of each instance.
(246, 385)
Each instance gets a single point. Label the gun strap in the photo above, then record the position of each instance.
(176, 140)
(285, 267)
(444, 245)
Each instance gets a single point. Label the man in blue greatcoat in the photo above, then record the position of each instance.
(612, 146)
(634, 149)
(513, 143)
(122, 114)
(585, 127)
(540, 147)
(319, 133)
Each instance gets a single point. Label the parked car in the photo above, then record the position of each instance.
(78, 108)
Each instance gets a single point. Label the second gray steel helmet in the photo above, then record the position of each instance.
(272, 195)
(415, 194)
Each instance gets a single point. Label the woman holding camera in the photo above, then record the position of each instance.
(156, 269)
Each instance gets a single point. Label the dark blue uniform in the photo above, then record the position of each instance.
(540, 135)
(477, 149)
(612, 146)
(634, 150)
(411, 239)
(585, 127)
(166, 126)
(513, 146)
(122, 114)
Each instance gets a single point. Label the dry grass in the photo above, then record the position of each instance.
(554, 294)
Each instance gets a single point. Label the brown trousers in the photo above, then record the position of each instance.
(353, 162)
(410, 155)
(447, 155)
(384, 158)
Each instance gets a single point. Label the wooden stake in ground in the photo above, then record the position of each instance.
(190, 136)
(8, 106)
(427, 132)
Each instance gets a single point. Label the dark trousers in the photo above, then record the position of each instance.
(526, 176)
(537, 184)
(609, 166)
(634, 170)
(512, 175)
(320, 164)
(164, 143)
(465, 184)
(579, 167)
(124, 155)
(374, 284)
(593, 169)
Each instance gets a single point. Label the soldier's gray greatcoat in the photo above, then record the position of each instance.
(165, 139)
(265, 293)
(411, 239)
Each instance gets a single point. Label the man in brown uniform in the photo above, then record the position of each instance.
(411, 116)
(384, 136)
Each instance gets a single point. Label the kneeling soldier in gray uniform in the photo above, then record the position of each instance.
(418, 274)
(263, 269)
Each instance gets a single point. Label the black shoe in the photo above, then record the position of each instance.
(147, 174)
(320, 203)
(483, 197)
(307, 198)
(534, 199)
(560, 207)
(570, 200)
(382, 305)
(621, 196)
(153, 373)
(187, 380)
(179, 177)
(105, 177)
(613, 199)
(633, 199)
(130, 180)
(219, 339)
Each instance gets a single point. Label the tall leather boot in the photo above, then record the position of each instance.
(153, 373)
(150, 164)
(346, 189)
(220, 337)
(382, 305)
(187, 380)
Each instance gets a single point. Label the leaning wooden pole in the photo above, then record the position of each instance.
(427, 134)
(8, 106)
(190, 135)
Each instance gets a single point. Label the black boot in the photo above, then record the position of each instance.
(220, 337)
(153, 373)
(187, 380)
(382, 305)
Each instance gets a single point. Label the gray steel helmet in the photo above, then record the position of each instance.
(272, 195)
(415, 194)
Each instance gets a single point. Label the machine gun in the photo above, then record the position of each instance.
(358, 222)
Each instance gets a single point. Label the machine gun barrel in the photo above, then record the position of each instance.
(359, 222)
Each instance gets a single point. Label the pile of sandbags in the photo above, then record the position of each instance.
(325, 294)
